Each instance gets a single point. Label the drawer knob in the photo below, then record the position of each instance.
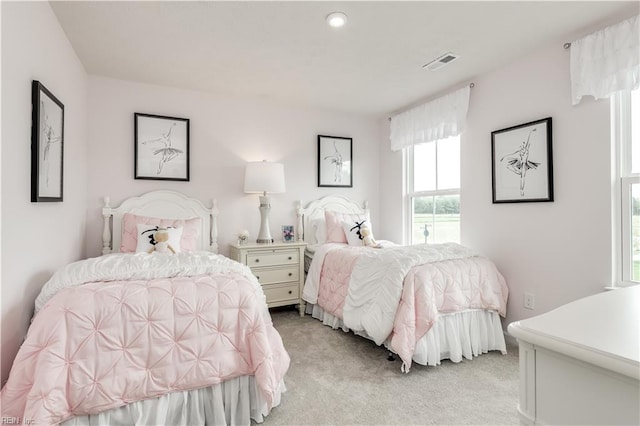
(290, 258)
(290, 291)
(257, 277)
(257, 260)
(290, 274)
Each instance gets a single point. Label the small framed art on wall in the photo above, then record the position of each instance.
(522, 166)
(161, 147)
(47, 144)
(335, 164)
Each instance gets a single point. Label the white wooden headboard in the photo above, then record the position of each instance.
(315, 211)
(162, 204)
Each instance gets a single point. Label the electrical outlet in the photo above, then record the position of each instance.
(529, 301)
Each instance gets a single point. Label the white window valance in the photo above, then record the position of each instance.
(435, 120)
(606, 61)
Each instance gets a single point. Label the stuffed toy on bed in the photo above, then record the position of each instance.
(367, 239)
(161, 238)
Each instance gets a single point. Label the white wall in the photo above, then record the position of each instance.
(226, 132)
(559, 251)
(391, 187)
(37, 238)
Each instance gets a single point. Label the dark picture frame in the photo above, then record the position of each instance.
(47, 145)
(161, 147)
(335, 164)
(522, 163)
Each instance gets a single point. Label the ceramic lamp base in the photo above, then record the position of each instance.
(264, 236)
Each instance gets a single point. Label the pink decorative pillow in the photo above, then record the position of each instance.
(190, 231)
(335, 232)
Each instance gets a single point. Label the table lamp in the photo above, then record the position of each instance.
(264, 178)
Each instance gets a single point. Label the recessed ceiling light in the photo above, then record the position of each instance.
(336, 19)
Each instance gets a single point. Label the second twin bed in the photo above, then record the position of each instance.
(426, 302)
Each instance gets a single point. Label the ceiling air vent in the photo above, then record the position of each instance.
(441, 61)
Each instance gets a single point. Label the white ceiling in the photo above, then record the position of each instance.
(284, 51)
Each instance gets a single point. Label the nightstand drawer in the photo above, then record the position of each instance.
(279, 268)
(279, 293)
(279, 275)
(273, 258)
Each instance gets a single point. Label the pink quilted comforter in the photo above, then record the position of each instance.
(104, 343)
(396, 294)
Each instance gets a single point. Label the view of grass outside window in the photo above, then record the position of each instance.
(439, 216)
(433, 192)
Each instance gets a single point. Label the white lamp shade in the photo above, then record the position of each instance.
(264, 177)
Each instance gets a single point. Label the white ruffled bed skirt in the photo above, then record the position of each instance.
(454, 335)
(234, 402)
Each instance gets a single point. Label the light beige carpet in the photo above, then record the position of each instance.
(337, 378)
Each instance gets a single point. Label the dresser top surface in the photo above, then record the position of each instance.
(608, 323)
(268, 246)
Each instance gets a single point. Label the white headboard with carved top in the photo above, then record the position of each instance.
(161, 204)
(315, 212)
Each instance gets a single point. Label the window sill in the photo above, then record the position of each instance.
(619, 286)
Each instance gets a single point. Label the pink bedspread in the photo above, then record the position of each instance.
(102, 345)
(444, 287)
(334, 279)
(427, 291)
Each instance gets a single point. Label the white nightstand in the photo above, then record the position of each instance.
(279, 268)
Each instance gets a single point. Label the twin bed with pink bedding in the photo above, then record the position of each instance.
(425, 303)
(139, 338)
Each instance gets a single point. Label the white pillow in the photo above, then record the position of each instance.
(352, 231)
(145, 231)
(320, 230)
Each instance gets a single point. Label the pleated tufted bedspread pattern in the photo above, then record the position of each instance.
(397, 293)
(100, 345)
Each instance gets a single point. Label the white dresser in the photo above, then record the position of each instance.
(279, 268)
(580, 363)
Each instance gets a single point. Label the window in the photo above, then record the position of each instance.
(432, 201)
(626, 194)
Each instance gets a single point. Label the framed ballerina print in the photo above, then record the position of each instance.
(161, 147)
(47, 145)
(522, 163)
(335, 165)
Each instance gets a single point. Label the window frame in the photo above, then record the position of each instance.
(623, 179)
(410, 193)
